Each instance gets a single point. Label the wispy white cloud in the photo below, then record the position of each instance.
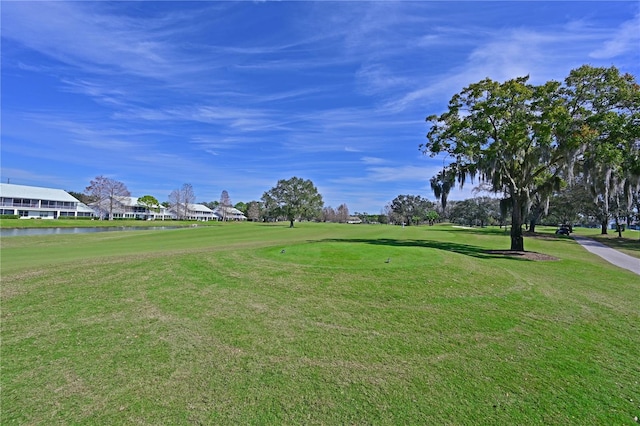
(101, 93)
(236, 118)
(397, 174)
(504, 54)
(102, 43)
(380, 174)
(351, 149)
(373, 160)
(217, 144)
(238, 95)
(624, 39)
(378, 78)
(283, 96)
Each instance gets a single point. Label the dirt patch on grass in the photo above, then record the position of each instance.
(528, 255)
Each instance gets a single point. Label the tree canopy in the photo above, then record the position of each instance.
(181, 199)
(105, 191)
(254, 210)
(605, 105)
(411, 209)
(149, 202)
(293, 199)
(523, 139)
(225, 204)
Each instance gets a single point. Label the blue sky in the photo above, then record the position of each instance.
(237, 95)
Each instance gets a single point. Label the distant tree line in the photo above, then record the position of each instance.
(292, 200)
(339, 215)
(411, 210)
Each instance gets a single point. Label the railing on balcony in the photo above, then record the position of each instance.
(12, 204)
(37, 205)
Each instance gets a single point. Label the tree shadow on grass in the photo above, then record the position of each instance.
(487, 230)
(504, 232)
(466, 249)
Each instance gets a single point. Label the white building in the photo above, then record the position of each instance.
(194, 212)
(229, 213)
(47, 203)
(34, 202)
(354, 219)
(130, 208)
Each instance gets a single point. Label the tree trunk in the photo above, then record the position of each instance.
(535, 218)
(618, 228)
(604, 227)
(517, 240)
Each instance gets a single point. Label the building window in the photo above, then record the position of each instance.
(58, 204)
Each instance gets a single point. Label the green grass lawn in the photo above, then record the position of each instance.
(217, 325)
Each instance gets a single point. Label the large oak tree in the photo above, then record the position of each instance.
(293, 199)
(503, 134)
(411, 208)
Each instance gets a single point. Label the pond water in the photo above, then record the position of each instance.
(19, 232)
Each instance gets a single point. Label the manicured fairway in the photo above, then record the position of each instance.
(320, 324)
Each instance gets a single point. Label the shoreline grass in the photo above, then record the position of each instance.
(87, 223)
(219, 326)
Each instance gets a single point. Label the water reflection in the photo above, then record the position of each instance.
(20, 232)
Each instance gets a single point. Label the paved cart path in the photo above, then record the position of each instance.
(610, 255)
